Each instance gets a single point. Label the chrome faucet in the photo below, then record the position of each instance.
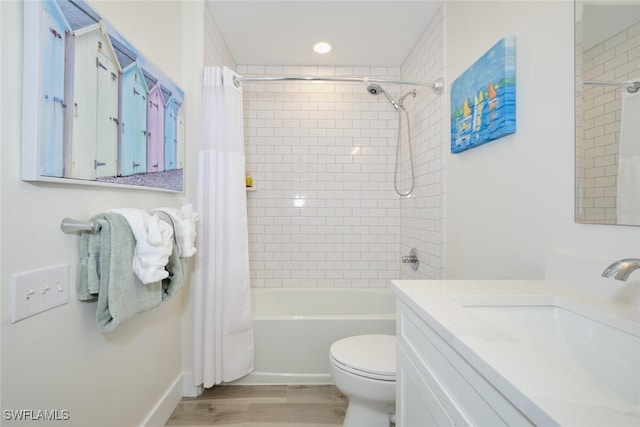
(412, 259)
(621, 269)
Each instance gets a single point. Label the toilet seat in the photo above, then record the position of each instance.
(369, 356)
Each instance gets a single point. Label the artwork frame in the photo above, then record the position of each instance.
(87, 109)
(483, 98)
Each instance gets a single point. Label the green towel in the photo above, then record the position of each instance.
(106, 267)
(88, 281)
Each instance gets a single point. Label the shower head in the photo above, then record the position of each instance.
(375, 89)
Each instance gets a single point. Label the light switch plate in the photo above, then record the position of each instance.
(39, 290)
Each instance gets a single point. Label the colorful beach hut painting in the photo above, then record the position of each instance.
(483, 99)
(52, 97)
(132, 143)
(98, 104)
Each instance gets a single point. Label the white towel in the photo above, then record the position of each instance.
(154, 243)
(628, 185)
(184, 224)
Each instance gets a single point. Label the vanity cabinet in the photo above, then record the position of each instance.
(437, 387)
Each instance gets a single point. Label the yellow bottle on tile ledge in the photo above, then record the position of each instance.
(249, 181)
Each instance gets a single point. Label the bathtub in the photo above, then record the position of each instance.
(294, 328)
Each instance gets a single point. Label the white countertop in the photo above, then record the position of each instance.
(547, 392)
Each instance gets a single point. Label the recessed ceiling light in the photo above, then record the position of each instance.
(322, 47)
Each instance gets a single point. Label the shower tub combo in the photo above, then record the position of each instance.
(294, 328)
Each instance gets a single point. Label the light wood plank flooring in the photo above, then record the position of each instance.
(263, 406)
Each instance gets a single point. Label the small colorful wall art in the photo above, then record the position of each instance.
(483, 98)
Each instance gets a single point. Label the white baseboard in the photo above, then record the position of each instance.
(161, 412)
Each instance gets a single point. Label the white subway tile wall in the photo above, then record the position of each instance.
(321, 159)
(422, 214)
(613, 60)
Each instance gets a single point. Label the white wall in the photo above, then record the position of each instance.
(215, 50)
(59, 359)
(511, 200)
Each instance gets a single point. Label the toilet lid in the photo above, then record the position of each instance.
(372, 356)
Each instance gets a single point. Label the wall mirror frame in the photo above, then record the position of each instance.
(607, 108)
(96, 111)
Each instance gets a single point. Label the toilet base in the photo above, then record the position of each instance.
(365, 413)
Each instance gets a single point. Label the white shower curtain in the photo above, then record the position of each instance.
(223, 331)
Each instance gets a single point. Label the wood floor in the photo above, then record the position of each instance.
(263, 406)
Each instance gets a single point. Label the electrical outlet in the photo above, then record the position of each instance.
(39, 290)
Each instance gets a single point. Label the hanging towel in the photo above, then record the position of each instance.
(628, 185)
(88, 282)
(176, 268)
(154, 244)
(105, 266)
(184, 226)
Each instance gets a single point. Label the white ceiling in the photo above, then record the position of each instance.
(362, 33)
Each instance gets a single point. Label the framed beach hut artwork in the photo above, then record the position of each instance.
(96, 110)
(483, 99)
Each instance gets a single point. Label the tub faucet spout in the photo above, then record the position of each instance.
(621, 269)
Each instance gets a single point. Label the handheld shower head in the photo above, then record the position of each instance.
(375, 89)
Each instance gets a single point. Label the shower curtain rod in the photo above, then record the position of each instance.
(437, 86)
(632, 87)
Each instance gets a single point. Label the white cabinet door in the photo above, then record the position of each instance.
(417, 405)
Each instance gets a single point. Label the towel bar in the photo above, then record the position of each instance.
(71, 226)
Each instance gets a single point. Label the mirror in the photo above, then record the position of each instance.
(96, 110)
(607, 112)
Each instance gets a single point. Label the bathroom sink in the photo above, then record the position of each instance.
(602, 347)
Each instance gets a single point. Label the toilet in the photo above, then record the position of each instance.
(363, 368)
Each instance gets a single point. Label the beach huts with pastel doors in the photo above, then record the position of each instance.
(171, 109)
(180, 137)
(132, 143)
(52, 97)
(155, 124)
(92, 81)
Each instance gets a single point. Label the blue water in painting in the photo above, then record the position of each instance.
(483, 106)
